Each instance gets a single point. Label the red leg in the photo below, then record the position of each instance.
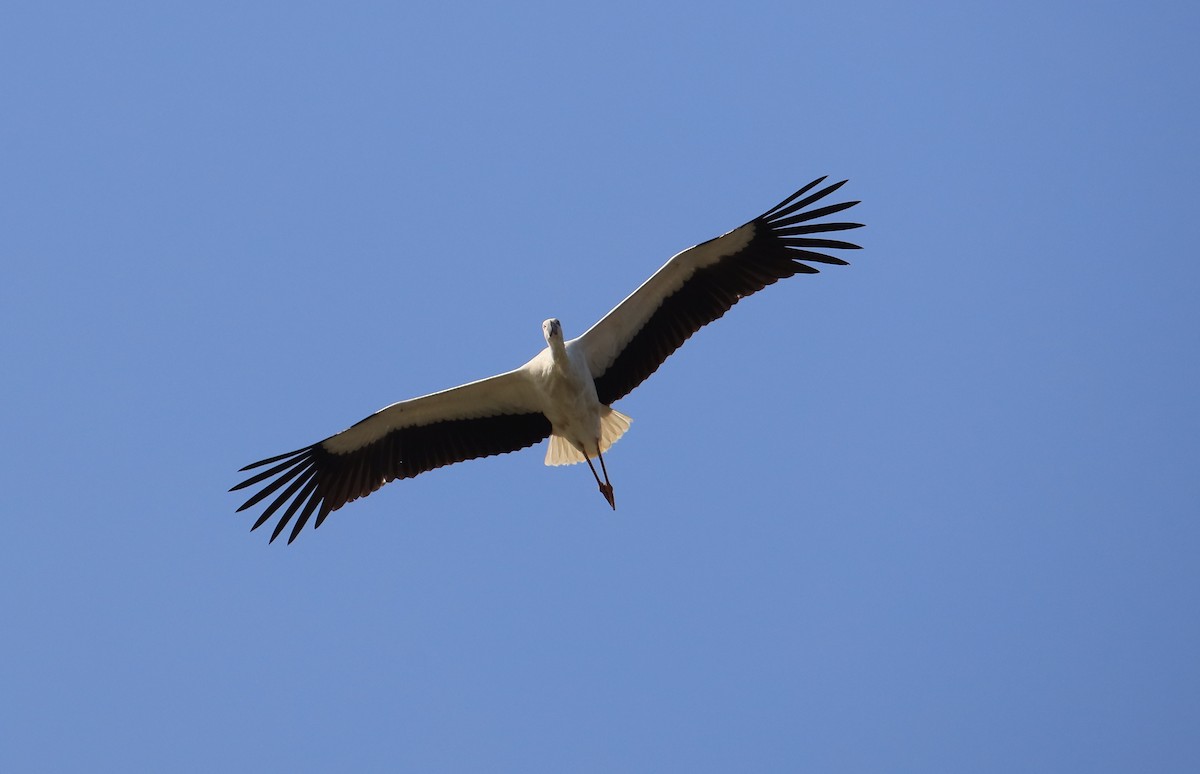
(605, 488)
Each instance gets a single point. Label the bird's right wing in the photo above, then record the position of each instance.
(701, 283)
(491, 416)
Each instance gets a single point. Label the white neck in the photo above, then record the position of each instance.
(558, 351)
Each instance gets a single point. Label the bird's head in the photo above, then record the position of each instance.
(552, 329)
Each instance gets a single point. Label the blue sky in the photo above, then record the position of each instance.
(934, 511)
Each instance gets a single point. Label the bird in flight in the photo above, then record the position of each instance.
(567, 390)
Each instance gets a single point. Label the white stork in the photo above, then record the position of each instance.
(567, 390)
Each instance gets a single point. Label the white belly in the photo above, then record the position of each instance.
(572, 406)
(580, 424)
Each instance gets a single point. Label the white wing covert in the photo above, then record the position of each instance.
(701, 283)
(491, 416)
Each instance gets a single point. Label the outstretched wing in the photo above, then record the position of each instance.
(491, 416)
(701, 283)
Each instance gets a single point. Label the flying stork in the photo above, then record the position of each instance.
(567, 390)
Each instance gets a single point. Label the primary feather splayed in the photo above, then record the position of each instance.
(565, 392)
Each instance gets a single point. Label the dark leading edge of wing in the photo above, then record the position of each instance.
(782, 241)
(314, 478)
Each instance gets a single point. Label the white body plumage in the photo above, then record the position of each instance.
(567, 390)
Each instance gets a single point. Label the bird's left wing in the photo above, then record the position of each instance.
(491, 416)
(700, 284)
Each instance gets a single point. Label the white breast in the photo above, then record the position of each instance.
(570, 398)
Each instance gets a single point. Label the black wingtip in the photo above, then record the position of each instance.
(276, 458)
(796, 195)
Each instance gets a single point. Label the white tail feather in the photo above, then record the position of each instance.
(613, 425)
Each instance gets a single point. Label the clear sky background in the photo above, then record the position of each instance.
(936, 511)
